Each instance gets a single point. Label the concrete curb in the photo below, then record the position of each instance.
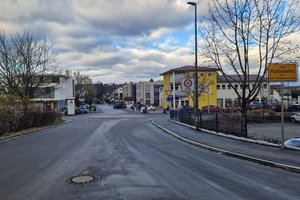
(231, 154)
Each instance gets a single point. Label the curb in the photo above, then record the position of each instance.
(232, 154)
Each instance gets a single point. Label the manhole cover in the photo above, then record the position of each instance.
(81, 179)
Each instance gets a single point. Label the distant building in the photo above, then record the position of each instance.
(148, 92)
(129, 90)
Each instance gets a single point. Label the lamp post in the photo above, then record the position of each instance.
(196, 66)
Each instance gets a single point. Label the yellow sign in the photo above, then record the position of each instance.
(282, 72)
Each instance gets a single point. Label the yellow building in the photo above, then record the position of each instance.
(183, 80)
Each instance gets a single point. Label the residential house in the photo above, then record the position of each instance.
(183, 80)
(129, 93)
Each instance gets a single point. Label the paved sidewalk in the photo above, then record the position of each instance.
(273, 154)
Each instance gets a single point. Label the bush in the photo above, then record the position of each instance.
(14, 118)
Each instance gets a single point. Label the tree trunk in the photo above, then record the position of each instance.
(244, 130)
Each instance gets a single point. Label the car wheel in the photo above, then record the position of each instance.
(293, 120)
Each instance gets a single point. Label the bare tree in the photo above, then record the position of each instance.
(244, 36)
(24, 60)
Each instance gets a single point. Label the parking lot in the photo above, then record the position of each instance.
(273, 130)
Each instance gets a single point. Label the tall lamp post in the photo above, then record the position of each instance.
(196, 66)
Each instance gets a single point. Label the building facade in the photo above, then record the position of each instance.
(179, 83)
(148, 92)
(226, 96)
(53, 93)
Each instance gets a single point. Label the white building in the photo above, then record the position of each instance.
(54, 91)
(226, 96)
(148, 92)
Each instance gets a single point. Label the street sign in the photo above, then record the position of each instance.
(187, 84)
(282, 72)
(168, 92)
(169, 99)
(71, 106)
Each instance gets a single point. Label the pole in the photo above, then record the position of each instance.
(174, 100)
(282, 117)
(196, 66)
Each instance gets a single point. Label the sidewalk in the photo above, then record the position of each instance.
(258, 151)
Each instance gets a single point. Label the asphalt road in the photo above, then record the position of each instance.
(134, 160)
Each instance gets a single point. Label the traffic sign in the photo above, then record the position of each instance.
(169, 99)
(188, 83)
(168, 92)
(282, 72)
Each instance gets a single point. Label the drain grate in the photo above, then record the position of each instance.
(82, 179)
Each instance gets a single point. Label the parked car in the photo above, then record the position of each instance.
(139, 105)
(83, 109)
(120, 106)
(260, 105)
(150, 108)
(211, 109)
(296, 117)
(293, 142)
(293, 108)
(186, 109)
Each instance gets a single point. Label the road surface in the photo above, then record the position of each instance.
(132, 160)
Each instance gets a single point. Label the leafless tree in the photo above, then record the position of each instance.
(24, 60)
(244, 36)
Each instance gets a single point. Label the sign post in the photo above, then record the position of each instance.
(71, 106)
(281, 73)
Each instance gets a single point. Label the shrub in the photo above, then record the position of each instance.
(13, 116)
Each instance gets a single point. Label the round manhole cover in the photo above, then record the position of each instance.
(81, 179)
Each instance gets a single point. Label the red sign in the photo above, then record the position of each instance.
(188, 83)
(168, 92)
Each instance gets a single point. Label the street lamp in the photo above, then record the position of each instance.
(196, 66)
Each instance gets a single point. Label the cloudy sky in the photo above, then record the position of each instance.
(110, 40)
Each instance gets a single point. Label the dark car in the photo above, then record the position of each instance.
(139, 105)
(83, 109)
(120, 106)
(293, 108)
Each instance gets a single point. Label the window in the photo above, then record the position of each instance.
(229, 87)
(223, 87)
(218, 87)
(147, 95)
(209, 74)
(45, 92)
(147, 87)
(236, 86)
(201, 74)
(265, 86)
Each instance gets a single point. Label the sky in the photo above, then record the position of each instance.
(113, 41)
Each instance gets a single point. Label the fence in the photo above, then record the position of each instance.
(227, 123)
